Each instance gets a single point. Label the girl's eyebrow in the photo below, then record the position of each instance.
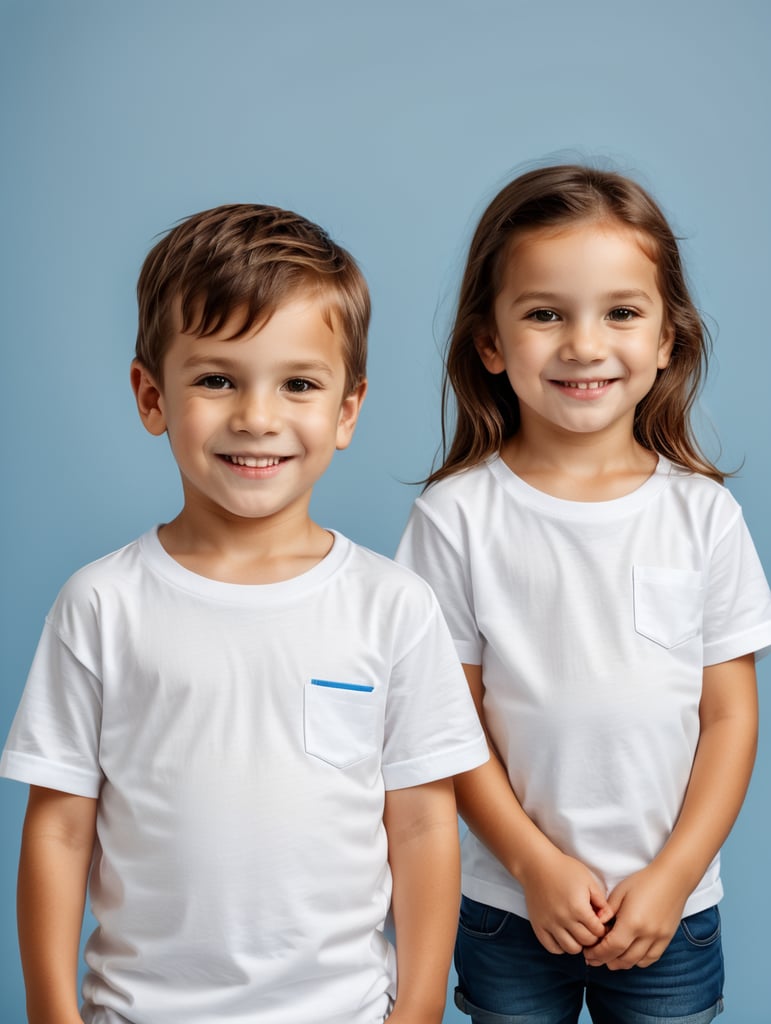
(620, 295)
(536, 297)
(628, 293)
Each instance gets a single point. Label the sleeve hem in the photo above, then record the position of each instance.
(757, 641)
(436, 766)
(469, 652)
(38, 772)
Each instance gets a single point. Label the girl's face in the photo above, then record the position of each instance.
(579, 328)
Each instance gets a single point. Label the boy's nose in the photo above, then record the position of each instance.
(255, 414)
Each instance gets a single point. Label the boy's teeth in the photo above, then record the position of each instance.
(253, 463)
(584, 385)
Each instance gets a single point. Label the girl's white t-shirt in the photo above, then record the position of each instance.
(241, 740)
(592, 623)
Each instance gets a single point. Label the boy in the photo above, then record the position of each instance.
(239, 729)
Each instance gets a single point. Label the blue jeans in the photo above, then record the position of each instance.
(506, 976)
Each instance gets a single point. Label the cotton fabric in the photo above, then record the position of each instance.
(240, 741)
(592, 622)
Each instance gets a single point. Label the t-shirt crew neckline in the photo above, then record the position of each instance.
(245, 595)
(593, 511)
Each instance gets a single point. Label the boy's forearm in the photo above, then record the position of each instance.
(57, 845)
(424, 856)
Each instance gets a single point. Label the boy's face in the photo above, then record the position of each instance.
(253, 422)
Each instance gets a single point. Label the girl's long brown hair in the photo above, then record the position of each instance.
(486, 407)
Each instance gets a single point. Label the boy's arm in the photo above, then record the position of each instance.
(56, 850)
(566, 904)
(649, 905)
(423, 850)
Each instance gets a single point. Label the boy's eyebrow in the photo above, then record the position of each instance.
(300, 366)
(222, 362)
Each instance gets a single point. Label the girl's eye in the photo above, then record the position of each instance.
(543, 316)
(214, 382)
(298, 385)
(622, 315)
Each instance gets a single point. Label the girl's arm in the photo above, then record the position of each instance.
(57, 845)
(649, 905)
(566, 904)
(424, 854)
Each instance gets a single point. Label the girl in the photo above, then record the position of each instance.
(606, 600)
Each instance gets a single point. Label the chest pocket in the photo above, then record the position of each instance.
(668, 604)
(341, 722)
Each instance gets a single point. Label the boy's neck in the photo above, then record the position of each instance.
(579, 468)
(245, 551)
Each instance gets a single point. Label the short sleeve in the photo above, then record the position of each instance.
(737, 611)
(432, 730)
(54, 738)
(429, 549)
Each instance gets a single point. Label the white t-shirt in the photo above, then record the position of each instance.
(592, 623)
(240, 740)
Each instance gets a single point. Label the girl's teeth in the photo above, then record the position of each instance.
(585, 385)
(251, 463)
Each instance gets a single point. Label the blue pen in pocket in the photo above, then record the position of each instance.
(341, 721)
(341, 686)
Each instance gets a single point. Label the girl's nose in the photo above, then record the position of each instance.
(255, 413)
(584, 343)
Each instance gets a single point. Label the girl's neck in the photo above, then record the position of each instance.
(579, 468)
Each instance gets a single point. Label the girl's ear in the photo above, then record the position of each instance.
(149, 399)
(487, 345)
(666, 344)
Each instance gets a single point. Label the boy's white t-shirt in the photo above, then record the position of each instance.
(592, 623)
(240, 740)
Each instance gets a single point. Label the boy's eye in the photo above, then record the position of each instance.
(543, 316)
(214, 382)
(622, 314)
(298, 385)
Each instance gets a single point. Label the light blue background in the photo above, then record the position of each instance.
(392, 125)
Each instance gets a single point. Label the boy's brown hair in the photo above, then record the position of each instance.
(246, 260)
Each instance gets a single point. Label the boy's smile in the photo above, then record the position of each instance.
(253, 421)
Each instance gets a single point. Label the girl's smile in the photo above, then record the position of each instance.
(583, 390)
(579, 328)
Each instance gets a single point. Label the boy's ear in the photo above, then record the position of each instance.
(349, 414)
(149, 399)
(486, 344)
